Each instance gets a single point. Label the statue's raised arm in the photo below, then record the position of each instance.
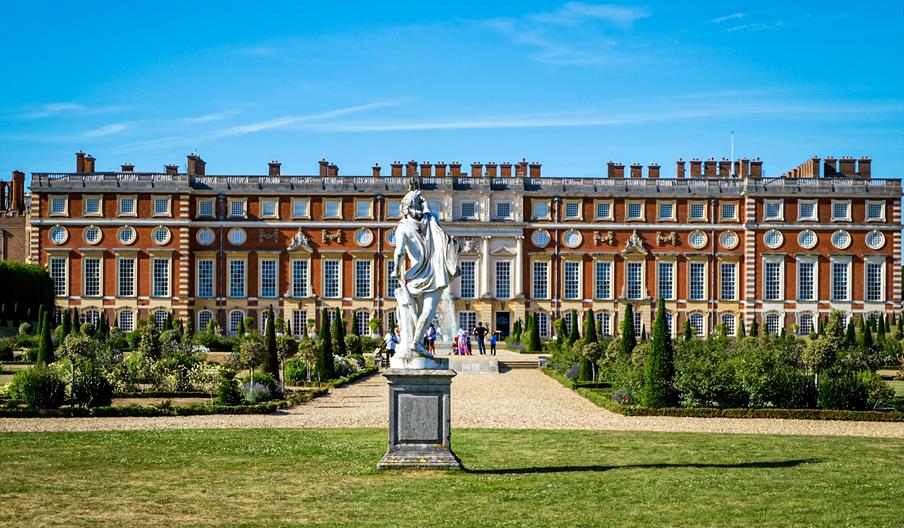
(432, 258)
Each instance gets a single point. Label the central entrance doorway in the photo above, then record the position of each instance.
(503, 324)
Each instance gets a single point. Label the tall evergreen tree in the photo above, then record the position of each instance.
(866, 336)
(688, 331)
(561, 334)
(45, 346)
(643, 332)
(271, 362)
(168, 323)
(850, 336)
(325, 367)
(533, 344)
(887, 322)
(240, 329)
(66, 324)
(76, 322)
(880, 332)
(574, 333)
(339, 334)
(755, 328)
(353, 328)
(742, 328)
(40, 321)
(590, 327)
(188, 329)
(658, 367)
(628, 338)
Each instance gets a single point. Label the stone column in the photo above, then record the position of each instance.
(485, 268)
(519, 267)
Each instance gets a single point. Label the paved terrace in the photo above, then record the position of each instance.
(517, 399)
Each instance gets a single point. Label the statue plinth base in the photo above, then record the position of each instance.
(420, 418)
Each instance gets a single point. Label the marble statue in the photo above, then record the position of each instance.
(432, 258)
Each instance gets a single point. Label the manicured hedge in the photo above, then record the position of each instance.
(161, 394)
(25, 287)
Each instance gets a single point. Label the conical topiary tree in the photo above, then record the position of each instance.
(339, 334)
(742, 329)
(866, 336)
(533, 344)
(45, 346)
(628, 338)
(325, 367)
(40, 320)
(754, 328)
(880, 332)
(574, 334)
(688, 331)
(76, 322)
(240, 329)
(590, 327)
(658, 366)
(850, 335)
(66, 325)
(271, 362)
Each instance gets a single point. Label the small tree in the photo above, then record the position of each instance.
(821, 353)
(643, 332)
(287, 347)
(240, 329)
(561, 334)
(338, 334)
(66, 326)
(850, 336)
(516, 330)
(309, 352)
(375, 325)
(659, 367)
(354, 326)
(45, 347)
(590, 327)
(628, 338)
(688, 331)
(742, 329)
(76, 324)
(866, 336)
(880, 332)
(754, 328)
(40, 321)
(574, 334)
(168, 323)
(271, 361)
(325, 366)
(252, 352)
(533, 344)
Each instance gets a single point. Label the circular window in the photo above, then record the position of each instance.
(205, 237)
(807, 239)
(237, 236)
(841, 239)
(390, 237)
(126, 235)
(572, 238)
(875, 240)
(59, 235)
(540, 238)
(161, 235)
(363, 237)
(92, 234)
(729, 240)
(697, 239)
(773, 238)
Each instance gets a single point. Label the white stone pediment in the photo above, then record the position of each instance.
(504, 251)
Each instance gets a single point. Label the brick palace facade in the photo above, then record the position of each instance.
(719, 241)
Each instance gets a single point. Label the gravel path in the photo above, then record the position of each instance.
(518, 399)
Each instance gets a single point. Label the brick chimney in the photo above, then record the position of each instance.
(89, 163)
(696, 166)
(744, 167)
(679, 169)
(725, 168)
(171, 168)
(426, 169)
(521, 168)
(756, 168)
(332, 169)
(396, 168)
(455, 169)
(17, 192)
(505, 170)
(376, 170)
(80, 162)
(476, 169)
(653, 171)
(324, 167)
(830, 167)
(274, 168)
(709, 168)
(618, 170)
(196, 166)
(864, 167)
(636, 169)
(534, 170)
(440, 169)
(411, 168)
(846, 165)
(127, 167)
(491, 169)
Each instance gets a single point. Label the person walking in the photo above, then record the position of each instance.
(463, 348)
(431, 339)
(390, 341)
(493, 344)
(481, 332)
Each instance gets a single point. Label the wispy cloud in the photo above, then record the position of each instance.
(757, 26)
(105, 130)
(258, 126)
(576, 33)
(733, 16)
(208, 118)
(65, 109)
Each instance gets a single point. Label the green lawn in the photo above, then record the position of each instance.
(514, 478)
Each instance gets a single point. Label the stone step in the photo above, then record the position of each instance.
(508, 364)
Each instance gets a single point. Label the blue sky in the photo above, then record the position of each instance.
(572, 85)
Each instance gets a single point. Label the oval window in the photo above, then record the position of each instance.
(59, 235)
(697, 239)
(773, 238)
(572, 238)
(126, 235)
(841, 239)
(540, 238)
(729, 240)
(92, 234)
(875, 240)
(807, 239)
(205, 237)
(237, 237)
(363, 237)
(161, 235)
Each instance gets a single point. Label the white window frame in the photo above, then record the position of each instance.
(307, 207)
(100, 205)
(780, 322)
(323, 286)
(213, 207)
(213, 278)
(674, 210)
(133, 278)
(845, 261)
(100, 275)
(393, 283)
(543, 285)
(641, 282)
(604, 282)
(260, 277)
(168, 278)
(780, 217)
(119, 321)
(881, 204)
(338, 202)
(229, 276)
(119, 202)
(64, 280)
(780, 260)
(269, 200)
(511, 211)
(398, 207)
(868, 261)
(734, 323)
(660, 264)
(610, 216)
(814, 217)
(578, 280)
(471, 277)
(813, 319)
(202, 327)
(461, 209)
(50, 200)
(305, 282)
(702, 330)
(533, 209)
(578, 203)
(703, 284)
(814, 280)
(729, 218)
(641, 204)
(231, 212)
(734, 281)
(370, 209)
(169, 205)
(846, 218)
(497, 291)
(369, 290)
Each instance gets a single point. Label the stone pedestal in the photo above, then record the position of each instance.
(420, 419)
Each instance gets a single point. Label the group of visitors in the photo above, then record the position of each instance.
(461, 341)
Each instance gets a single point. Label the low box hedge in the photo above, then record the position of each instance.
(161, 394)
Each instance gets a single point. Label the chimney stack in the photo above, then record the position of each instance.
(17, 192)
(618, 170)
(505, 170)
(830, 167)
(426, 169)
(396, 168)
(80, 162)
(440, 169)
(725, 168)
(195, 165)
(376, 170)
(521, 169)
(744, 170)
(636, 169)
(476, 169)
(455, 169)
(679, 169)
(324, 167)
(756, 168)
(171, 168)
(491, 169)
(127, 167)
(846, 165)
(411, 168)
(696, 166)
(274, 168)
(333, 169)
(89, 163)
(534, 170)
(653, 171)
(864, 167)
(709, 168)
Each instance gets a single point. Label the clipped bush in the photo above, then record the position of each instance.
(296, 372)
(228, 392)
(92, 389)
(265, 379)
(40, 387)
(24, 329)
(6, 350)
(257, 393)
(839, 389)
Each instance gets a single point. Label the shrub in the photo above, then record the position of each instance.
(24, 329)
(40, 387)
(659, 368)
(25, 341)
(840, 389)
(92, 388)
(353, 344)
(705, 375)
(6, 350)
(265, 379)
(31, 354)
(296, 371)
(215, 342)
(256, 392)
(878, 393)
(228, 391)
(205, 377)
